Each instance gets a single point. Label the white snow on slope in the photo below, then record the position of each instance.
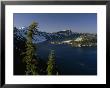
(36, 38)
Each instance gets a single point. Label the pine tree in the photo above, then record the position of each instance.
(51, 66)
(29, 57)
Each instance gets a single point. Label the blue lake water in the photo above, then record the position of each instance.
(71, 60)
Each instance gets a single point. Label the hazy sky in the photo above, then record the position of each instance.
(52, 22)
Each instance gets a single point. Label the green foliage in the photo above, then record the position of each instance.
(33, 64)
(29, 55)
(51, 68)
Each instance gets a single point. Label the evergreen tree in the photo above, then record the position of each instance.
(29, 57)
(51, 66)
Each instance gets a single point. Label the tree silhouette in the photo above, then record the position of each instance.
(29, 54)
(51, 66)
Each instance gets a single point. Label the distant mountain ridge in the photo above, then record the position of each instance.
(54, 36)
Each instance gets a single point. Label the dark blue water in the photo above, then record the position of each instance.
(71, 60)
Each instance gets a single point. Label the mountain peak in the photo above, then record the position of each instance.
(21, 28)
